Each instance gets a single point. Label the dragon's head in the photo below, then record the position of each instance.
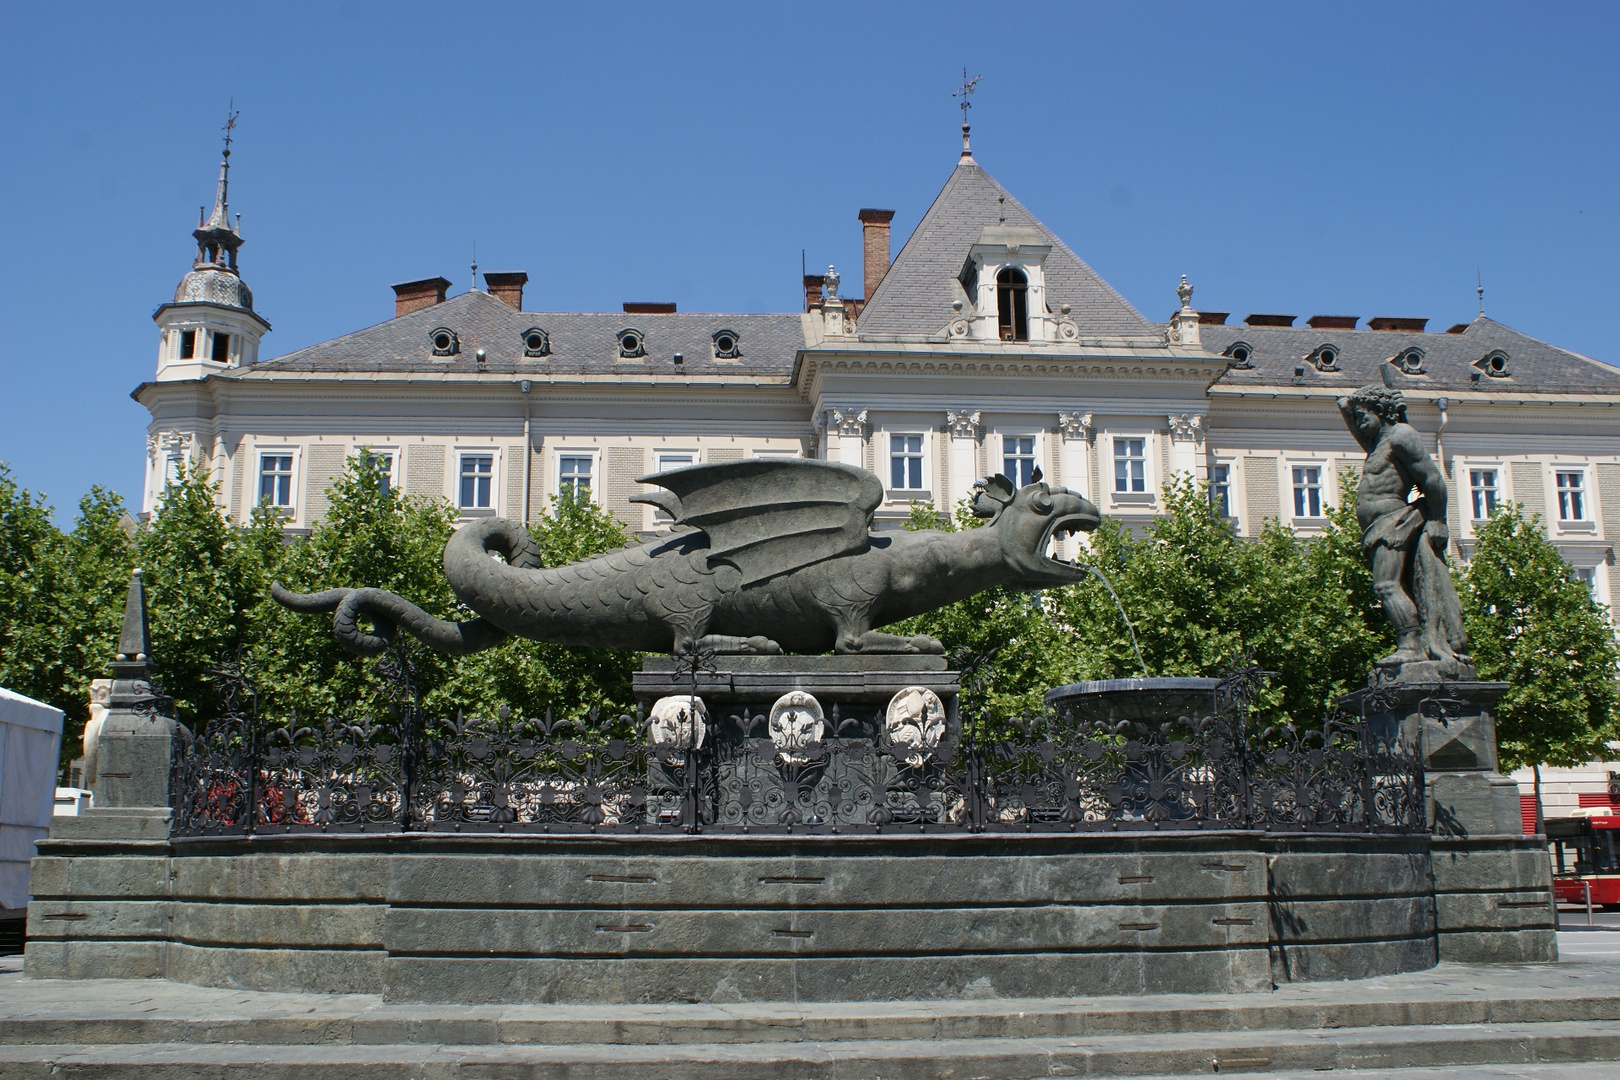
(1029, 520)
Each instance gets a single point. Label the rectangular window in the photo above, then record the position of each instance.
(574, 474)
(383, 460)
(1307, 491)
(1586, 575)
(222, 349)
(188, 344)
(1220, 489)
(1018, 459)
(1572, 496)
(275, 479)
(905, 462)
(1130, 464)
(477, 475)
(1482, 484)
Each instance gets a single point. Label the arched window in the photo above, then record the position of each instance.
(1012, 304)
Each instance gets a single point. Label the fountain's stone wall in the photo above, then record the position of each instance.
(466, 919)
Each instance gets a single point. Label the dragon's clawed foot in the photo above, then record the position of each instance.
(757, 645)
(875, 641)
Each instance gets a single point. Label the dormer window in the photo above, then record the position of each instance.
(1241, 354)
(632, 344)
(727, 345)
(1495, 364)
(1012, 304)
(1325, 358)
(536, 342)
(1410, 361)
(444, 341)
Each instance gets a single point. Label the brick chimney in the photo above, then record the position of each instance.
(1384, 322)
(412, 296)
(648, 307)
(508, 288)
(812, 291)
(875, 241)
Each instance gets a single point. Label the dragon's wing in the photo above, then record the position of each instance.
(767, 516)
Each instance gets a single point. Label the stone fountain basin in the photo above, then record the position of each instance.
(1157, 699)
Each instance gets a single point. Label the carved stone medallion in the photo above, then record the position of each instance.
(678, 723)
(796, 722)
(914, 724)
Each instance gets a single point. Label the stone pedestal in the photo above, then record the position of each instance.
(1492, 884)
(135, 747)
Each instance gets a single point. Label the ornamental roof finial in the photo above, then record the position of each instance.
(967, 89)
(221, 218)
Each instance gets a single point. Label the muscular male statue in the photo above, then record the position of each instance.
(1406, 541)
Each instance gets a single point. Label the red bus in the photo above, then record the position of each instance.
(1586, 854)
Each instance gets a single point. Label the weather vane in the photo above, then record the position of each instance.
(968, 86)
(231, 113)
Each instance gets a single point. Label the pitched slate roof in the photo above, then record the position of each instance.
(581, 343)
(1450, 361)
(914, 299)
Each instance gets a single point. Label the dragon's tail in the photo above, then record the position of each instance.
(388, 613)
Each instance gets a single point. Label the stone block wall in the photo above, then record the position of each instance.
(465, 919)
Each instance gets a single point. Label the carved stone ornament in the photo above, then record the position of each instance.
(847, 422)
(914, 724)
(796, 722)
(831, 281)
(962, 423)
(1076, 425)
(161, 444)
(1067, 330)
(1186, 427)
(1184, 292)
(678, 723)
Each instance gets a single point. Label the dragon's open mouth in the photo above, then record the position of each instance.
(1061, 527)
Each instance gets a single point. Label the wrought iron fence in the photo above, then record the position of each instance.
(618, 772)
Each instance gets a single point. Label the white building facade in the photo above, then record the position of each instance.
(986, 346)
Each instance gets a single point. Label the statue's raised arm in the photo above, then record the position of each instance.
(1405, 540)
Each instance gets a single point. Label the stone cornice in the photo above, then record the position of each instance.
(387, 386)
(1159, 366)
(1453, 397)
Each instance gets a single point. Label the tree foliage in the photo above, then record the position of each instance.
(373, 535)
(1199, 598)
(1204, 600)
(1532, 625)
(61, 598)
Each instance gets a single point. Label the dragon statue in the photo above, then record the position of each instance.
(765, 556)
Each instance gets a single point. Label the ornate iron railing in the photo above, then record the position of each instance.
(617, 772)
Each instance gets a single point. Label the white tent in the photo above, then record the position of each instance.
(30, 743)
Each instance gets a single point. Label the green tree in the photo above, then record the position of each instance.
(375, 536)
(531, 677)
(1011, 647)
(33, 553)
(1532, 625)
(61, 599)
(370, 535)
(204, 581)
(98, 556)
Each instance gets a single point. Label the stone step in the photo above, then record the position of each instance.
(1137, 1055)
(44, 1011)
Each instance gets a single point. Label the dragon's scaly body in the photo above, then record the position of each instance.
(789, 575)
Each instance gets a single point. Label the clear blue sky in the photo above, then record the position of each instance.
(1306, 158)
